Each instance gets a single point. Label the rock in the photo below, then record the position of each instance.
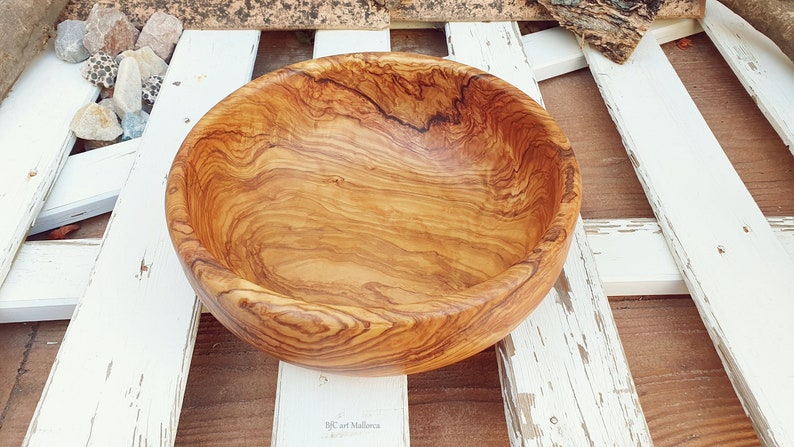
(94, 122)
(133, 125)
(149, 63)
(69, 42)
(161, 33)
(109, 30)
(100, 69)
(108, 102)
(151, 88)
(127, 92)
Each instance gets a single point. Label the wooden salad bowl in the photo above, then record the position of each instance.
(373, 214)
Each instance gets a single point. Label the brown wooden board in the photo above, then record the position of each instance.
(529, 10)
(339, 14)
(774, 18)
(26, 27)
(248, 14)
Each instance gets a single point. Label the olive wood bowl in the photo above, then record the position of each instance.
(373, 214)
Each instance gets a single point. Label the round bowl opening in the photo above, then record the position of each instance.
(373, 181)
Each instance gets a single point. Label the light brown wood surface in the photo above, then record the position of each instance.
(373, 214)
(340, 14)
(683, 390)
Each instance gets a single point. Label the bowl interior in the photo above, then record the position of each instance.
(371, 182)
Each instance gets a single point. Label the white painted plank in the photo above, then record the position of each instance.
(121, 370)
(87, 186)
(349, 412)
(764, 70)
(564, 375)
(34, 142)
(738, 273)
(631, 255)
(333, 42)
(555, 51)
(633, 258)
(47, 279)
(317, 408)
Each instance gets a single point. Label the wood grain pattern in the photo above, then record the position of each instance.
(409, 211)
(684, 391)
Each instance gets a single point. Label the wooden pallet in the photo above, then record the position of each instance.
(120, 373)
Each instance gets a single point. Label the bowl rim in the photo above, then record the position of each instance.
(197, 259)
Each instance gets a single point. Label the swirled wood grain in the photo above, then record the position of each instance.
(375, 213)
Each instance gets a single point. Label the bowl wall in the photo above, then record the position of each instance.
(394, 192)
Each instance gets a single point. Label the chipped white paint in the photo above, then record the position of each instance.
(121, 370)
(765, 71)
(34, 142)
(47, 279)
(633, 258)
(738, 273)
(564, 375)
(316, 408)
(87, 186)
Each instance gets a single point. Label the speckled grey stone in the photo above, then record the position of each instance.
(151, 88)
(100, 69)
(69, 42)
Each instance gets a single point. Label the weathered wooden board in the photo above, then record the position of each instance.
(564, 375)
(317, 408)
(488, 10)
(34, 142)
(27, 25)
(121, 370)
(773, 18)
(722, 243)
(555, 51)
(238, 14)
(763, 69)
(347, 14)
(47, 280)
(87, 186)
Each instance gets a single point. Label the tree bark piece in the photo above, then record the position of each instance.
(26, 27)
(774, 18)
(615, 27)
